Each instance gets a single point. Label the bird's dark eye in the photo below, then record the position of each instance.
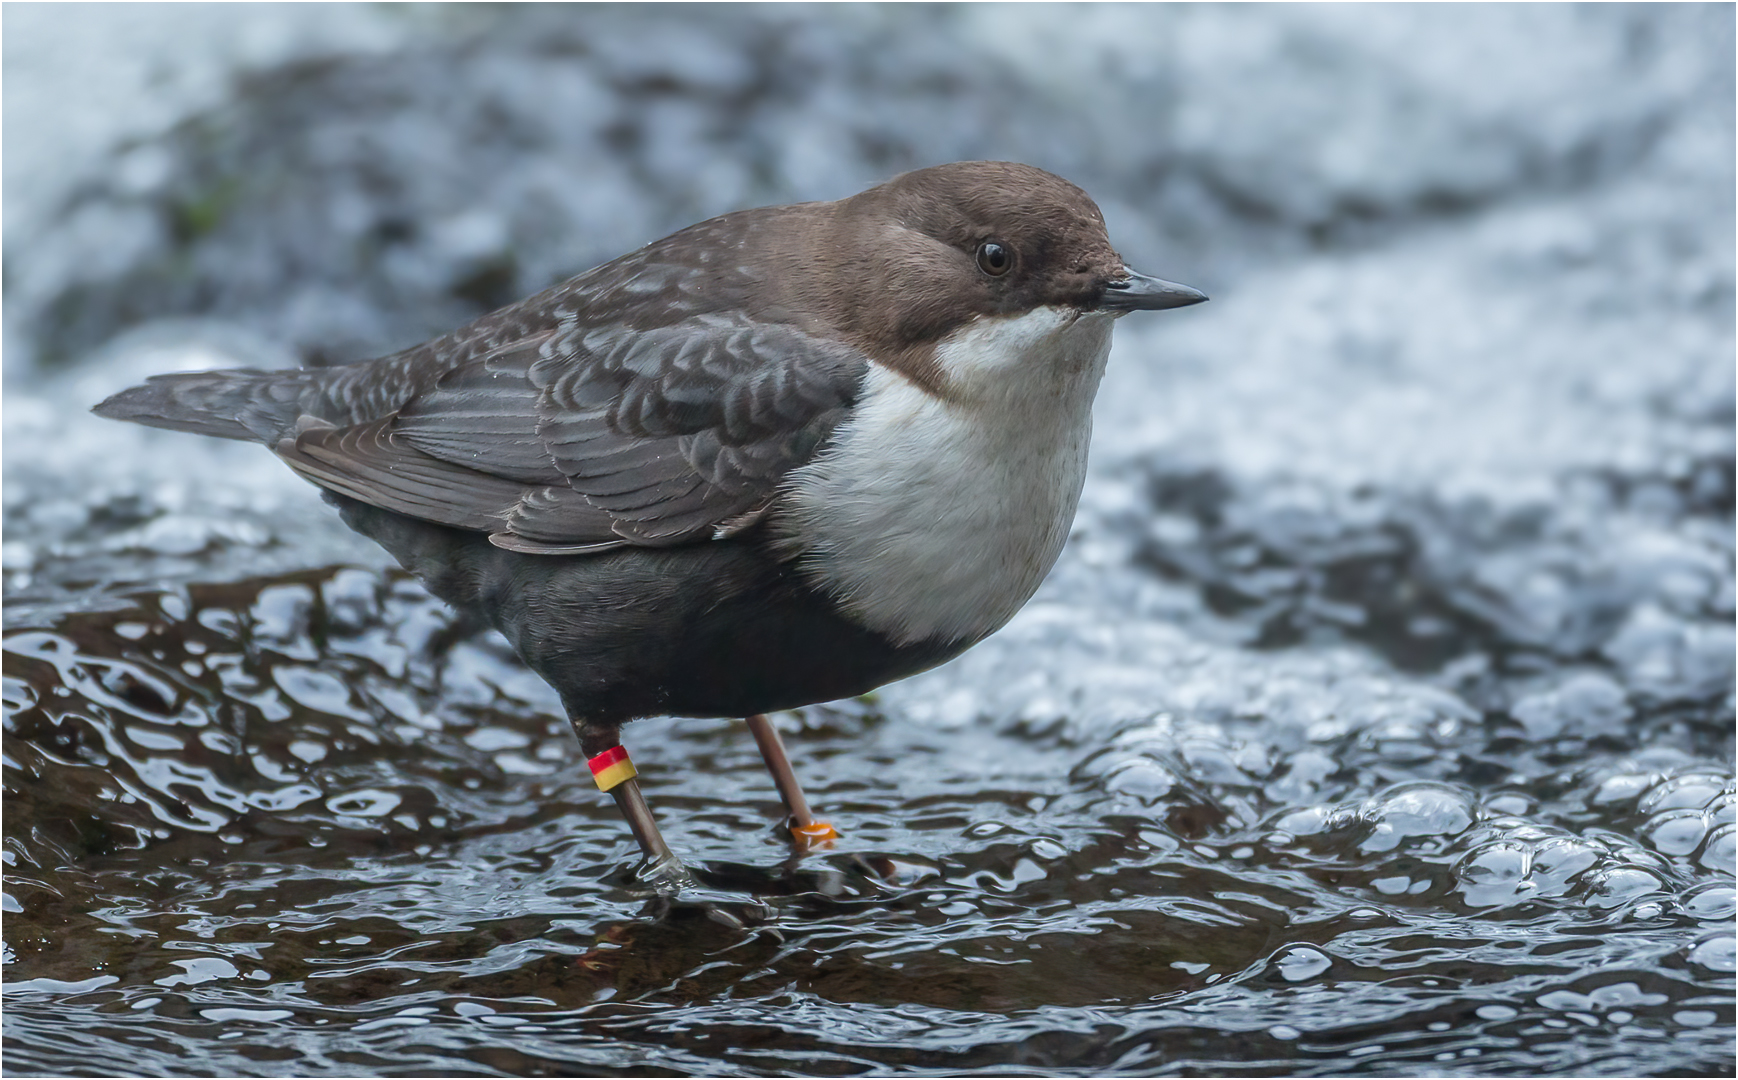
(994, 259)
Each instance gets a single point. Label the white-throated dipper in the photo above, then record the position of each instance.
(780, 457)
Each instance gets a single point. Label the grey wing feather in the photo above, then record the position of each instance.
(482, 415)
(632, 404)
(737, 403)
(370, 464)
(588, 434)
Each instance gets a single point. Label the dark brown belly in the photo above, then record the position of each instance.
(713, 629)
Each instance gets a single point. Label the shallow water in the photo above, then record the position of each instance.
(264, 827)
(1378, 719)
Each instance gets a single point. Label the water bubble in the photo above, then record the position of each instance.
(224, 1016)
(1417, 809)
(287, 798)
(1716, 953)
(1144, 779)
(1675, 832)
(1621, 884)
(1691, 791)
(1721, 852)
(1711, 902)
(1306, 822)
(321, 691)
(1623, 993)
(1510, 803)
(352, 599)
(200, 970)
(1723, 810)
(280, 612)
(364, 802)
(1304, 774)
(496, 738)
(1585, 704)
(1669, 658)
(1048, 849)
(1213, 763)
(1495, 873)
(1559, 860)
(1501, 863)
(520, 765)
(60, 986)
(152, 739)
(1301, 963)
(1622, 788)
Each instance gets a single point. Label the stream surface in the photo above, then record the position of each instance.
(1377, 720)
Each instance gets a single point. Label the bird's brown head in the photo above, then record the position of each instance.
(907, 262)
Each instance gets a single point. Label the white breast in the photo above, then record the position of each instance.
(933, 519)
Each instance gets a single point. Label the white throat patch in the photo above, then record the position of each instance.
(937, 520)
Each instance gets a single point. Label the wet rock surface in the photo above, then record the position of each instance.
(1377, 720)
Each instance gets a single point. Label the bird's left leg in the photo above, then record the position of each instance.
(615, 773)
(804, 828)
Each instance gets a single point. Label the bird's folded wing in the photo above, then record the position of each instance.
(587, 434)
(371, 464)
(675, 429)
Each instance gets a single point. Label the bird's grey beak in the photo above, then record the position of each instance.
(1138, 292)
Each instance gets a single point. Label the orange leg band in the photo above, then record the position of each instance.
(815, 833)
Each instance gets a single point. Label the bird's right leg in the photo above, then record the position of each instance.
(807, 831)
(615, 773)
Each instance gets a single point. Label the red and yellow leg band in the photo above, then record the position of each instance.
(612, 767)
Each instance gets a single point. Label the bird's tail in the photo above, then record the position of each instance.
(256, 406)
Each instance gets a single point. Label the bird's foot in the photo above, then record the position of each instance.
(666, 876)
